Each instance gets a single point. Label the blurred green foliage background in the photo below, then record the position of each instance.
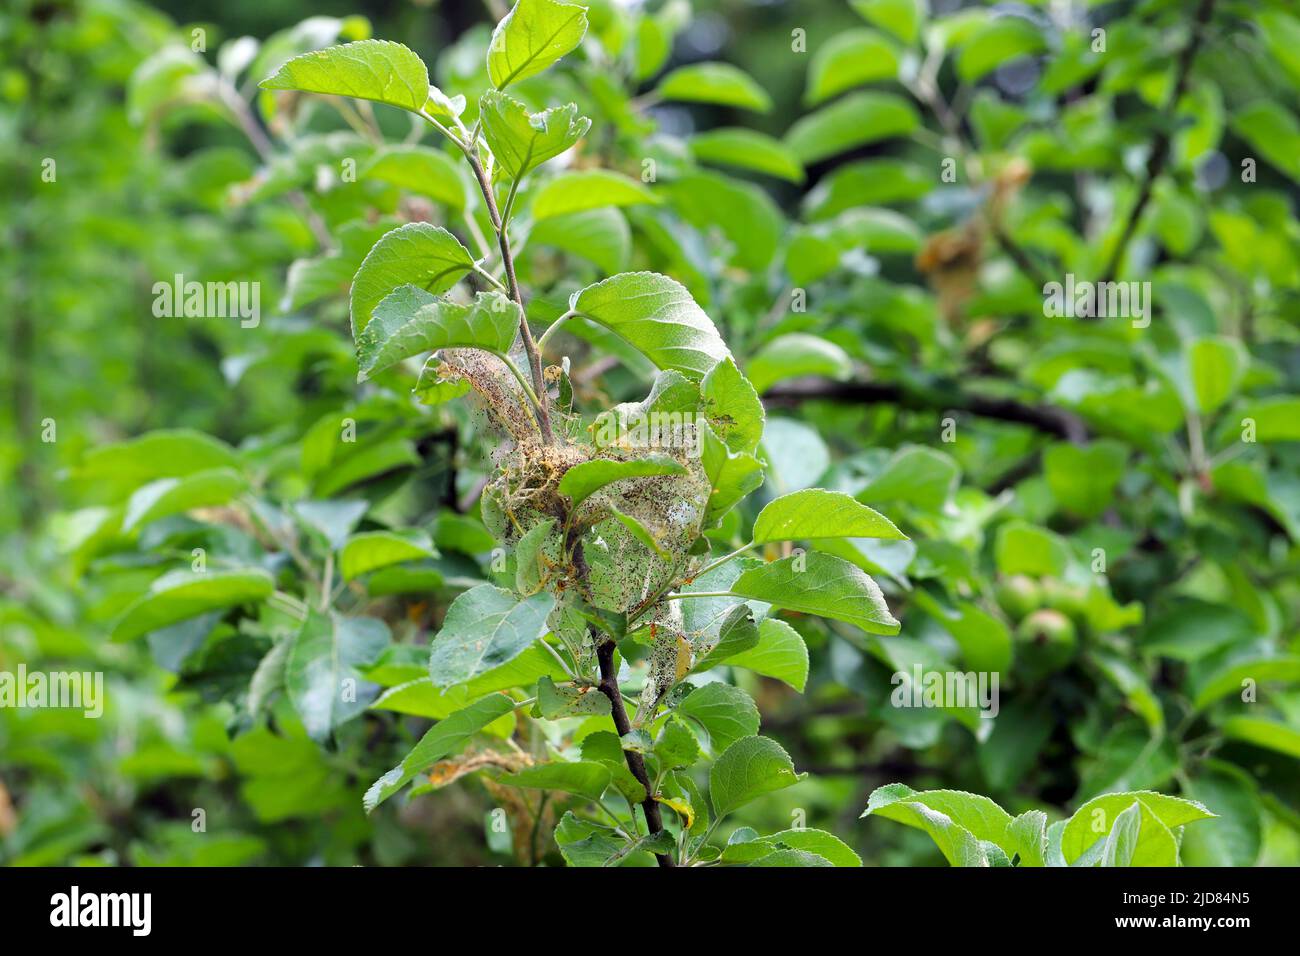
(925, 294)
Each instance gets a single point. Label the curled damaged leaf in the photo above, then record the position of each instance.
(569, 700)
(446, 772)
(682, 808)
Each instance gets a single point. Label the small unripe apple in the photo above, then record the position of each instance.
(1070, 599)
(1046, 642)
(1019, 596)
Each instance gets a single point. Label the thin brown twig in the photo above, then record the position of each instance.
(507, 260)
(231, 99)
(1160, 146)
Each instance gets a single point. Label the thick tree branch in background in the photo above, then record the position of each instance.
(1160, 146)
(938, 397)
(635, 762)
(1018, 255)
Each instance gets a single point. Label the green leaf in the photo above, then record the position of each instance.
(587, 843)
(848, 59)
(641, 532)
(903, 655)
(742, 212)
(420, 698)
(1019, 734)
(676, 746)
(746, 149)
(825, 845)
(330, 274)
(948, 816)
(1272, 132)
(370, 550)
(484, 628)
(418, 578)
(1227, 670)
(585, 479)
(737, 633)
(286, 774)
(732, 475)
(171, 496)
(582, 778)
(439, 383)
(1122, 841)
(368, 70)
(999, 41)
(1083, 480)
(461, 533)
(445, 737)
(568, 700)
(116, 470)
(1022, 548)
(661, 842)
(521, 141)
(1029, 833)
(420, 170)
(369, 461)
(983, 818)
(181, 595)
(533, 665)
(780, 653)
(321, 673)
(731, 406)
(1126, 756)
(798, 858)
(686, 799)
(657, 317)
(872, 182)
(172, 74)
(443, 107)
(530, 571)
(1138, 838)
(719, 83)
(1135, 688)
(1261, 732)
(723, 712)
(749, 768)
(902, 18)
(604, 747)
(531, 37)
(417, 254)
(654, 39)
(1216, 366)
(873, 555)
(1275, 419)
(1094, 820)
(1281, 34)
(600, 236)
(410, 322)
(588, 189)
(1235, 838)
(985, 641)
(797, 355)
(703, 617)
(820, 584)
(915, 475)
(817, 513)
(796, 455)
(1053, 855)
(856, 120)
